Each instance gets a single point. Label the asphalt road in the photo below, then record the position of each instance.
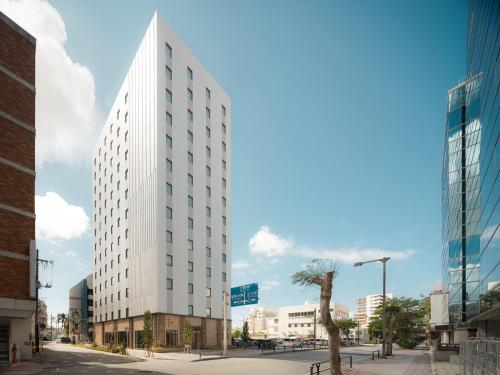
(68, 359)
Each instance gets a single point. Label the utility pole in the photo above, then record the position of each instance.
(384, 322)
(314, 344)
(224, 326)
(38, 286)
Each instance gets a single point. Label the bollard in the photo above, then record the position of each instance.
(312, 369)
(200, 353)
(350, 361)
(378, 353)
(373, 356)
(317, 368)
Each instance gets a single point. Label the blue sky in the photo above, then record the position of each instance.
(338, 121)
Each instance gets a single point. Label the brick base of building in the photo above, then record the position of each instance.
(167, 331)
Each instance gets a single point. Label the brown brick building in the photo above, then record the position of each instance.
(17, 188)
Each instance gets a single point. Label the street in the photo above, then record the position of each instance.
(69, 359)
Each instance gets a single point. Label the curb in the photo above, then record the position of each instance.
(209, 359)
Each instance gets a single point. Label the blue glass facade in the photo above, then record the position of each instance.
(470, 186)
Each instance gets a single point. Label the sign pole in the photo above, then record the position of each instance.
(224, 325)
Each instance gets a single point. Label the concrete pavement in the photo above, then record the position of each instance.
(68, 359)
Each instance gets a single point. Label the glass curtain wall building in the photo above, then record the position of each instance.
(471, 238)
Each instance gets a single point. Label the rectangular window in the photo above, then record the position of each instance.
(126, 253)
(209, 191)
(223, 220)
(190, 245)
(168, 95)
(126, 136)
(189, 95)
(168, 50)
(189, 73)
(190, 288)
(169, 212)
(209, 292)
(223, 182)
(170, 283)
(190, 136)
(207, 92)
(126, 273)
(209, 312)
(190, 266)
(126, 98)
(224, 277)
(169, 165)
(190, 157)
(190, 310)
(209, 232)
(169, 236)
(126, 295)
(209, 152)
(209, 272)
(190, 115)
(169, 118)
(190, 201)
(190, 223)
(209, 252)
(169, 260)
(223, 129)
(169, 189)
(126, 119)
(126, 312)
(209, 212)
(172, 338)
(224, 146)
(169, 141)
(168, 72)
(224, 239)
(207, 129)
(223, 164)
(223, 257)
(190, 179)
(208, 171)
(223, 201)
(207, 111)
(223, 110)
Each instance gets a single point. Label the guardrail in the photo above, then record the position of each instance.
(316, 369)
(292, 348)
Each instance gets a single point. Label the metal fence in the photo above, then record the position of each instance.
(480, 357)
(292, 348)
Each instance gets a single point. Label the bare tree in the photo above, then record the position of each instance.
(321, 273)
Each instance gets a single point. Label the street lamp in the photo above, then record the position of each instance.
(384, 262)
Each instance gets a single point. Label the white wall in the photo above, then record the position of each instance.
(147, 128)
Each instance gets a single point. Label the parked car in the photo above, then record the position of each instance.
(65, 340)
(266, 344)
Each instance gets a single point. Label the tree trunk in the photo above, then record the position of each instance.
(332, 329)
(390, 332)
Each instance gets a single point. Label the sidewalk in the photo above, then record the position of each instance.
(34, 366)
(404, 362)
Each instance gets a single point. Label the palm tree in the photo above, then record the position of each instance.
(63, 319)
(321, 273)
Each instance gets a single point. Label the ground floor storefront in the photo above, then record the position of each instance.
(15, 329)
(167, 331)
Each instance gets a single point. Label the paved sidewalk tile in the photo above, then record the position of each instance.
(446, 368)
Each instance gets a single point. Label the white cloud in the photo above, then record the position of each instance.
(355, 254)
(264, 242)
(239, 265)
(66, 112)
(269, 284)
(57, 219)
(267, 243)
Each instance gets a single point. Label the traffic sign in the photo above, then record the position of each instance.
(245, 295)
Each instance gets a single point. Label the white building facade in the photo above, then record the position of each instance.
(162, 199)
(366, 306)
(298, 321)
(258, 319)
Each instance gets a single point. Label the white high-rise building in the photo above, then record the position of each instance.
(366, 306)
(162, 199)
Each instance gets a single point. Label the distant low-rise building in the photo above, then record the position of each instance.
(81, 309)
(299, 321)
(257, 320)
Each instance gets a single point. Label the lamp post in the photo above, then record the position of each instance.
(384, 323)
